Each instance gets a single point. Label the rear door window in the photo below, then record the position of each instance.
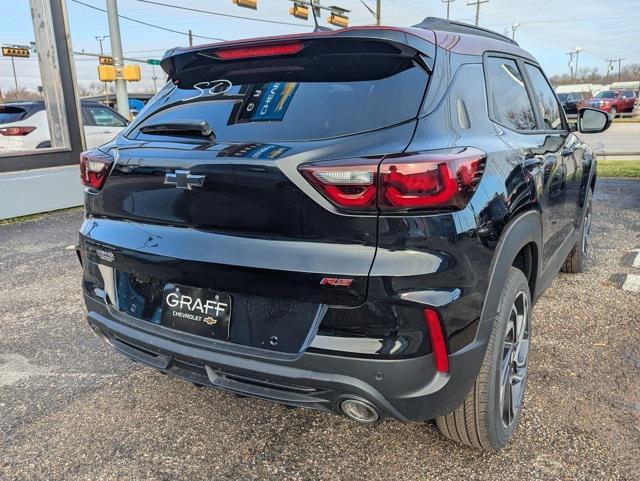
(508, 96)
(9, 114)
(104, 117)
(330, 90)
(545, 99)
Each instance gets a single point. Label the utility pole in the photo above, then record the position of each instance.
(611, 62)
(571, 54)
(190, 38)
(378, 2)
(448, 2)
(118, 61)
(100, 39)
(15, 77)
(154, 77)
(477, 3)
(578, 50)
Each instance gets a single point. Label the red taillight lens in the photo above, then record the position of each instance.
(435, 180)
(259, 51)
(351, 186)
(438, 179)
(438, 346)
(16, 131)
(94, 168)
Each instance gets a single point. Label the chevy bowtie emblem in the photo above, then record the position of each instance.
(182, 179)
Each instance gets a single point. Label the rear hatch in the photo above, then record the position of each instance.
(231, 209)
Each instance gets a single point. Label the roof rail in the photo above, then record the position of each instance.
(441, 24)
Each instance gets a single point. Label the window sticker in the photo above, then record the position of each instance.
(265, 102)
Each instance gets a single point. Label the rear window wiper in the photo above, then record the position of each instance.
(188, 128)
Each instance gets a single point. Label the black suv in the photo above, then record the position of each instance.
(356, 221)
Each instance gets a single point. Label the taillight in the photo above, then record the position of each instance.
(434, 180)
(438, 346)
(259, 51)
(16, 131)
(351, 185)
(94, 168)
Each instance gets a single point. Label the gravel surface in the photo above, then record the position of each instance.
(72, 409)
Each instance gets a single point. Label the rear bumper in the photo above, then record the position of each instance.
(404, 389)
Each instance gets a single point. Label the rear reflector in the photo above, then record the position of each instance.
(438, 346)
(94, 168)
(16, 131)
(259, 51)
(434, 180)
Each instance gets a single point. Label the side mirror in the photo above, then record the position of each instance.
(593, 121)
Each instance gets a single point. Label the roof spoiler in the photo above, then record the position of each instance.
(174, 59)
(443, 25)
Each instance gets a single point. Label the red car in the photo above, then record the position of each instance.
(613, 101)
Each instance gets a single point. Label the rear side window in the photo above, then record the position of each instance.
(628, 94)
(328, 90)
(508, 96)
(103, 117)
(11, 114)
(545, 100)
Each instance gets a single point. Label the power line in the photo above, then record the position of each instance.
(198, 10)
(146, 23)
(573, 20)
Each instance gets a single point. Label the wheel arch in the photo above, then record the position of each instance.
(524, 229)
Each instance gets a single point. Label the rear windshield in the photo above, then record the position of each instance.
(329, 90)
(11, 114)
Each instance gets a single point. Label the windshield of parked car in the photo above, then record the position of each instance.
(563, 97)
(606, 95)
(336, 90)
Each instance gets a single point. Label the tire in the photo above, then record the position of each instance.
(576, 261)
(613, 112)
(482, 421)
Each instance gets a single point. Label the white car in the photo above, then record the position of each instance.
(24, 125)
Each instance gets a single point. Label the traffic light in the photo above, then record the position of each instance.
(253, 4)
(15, 51)
(299, 11)
(338, 19)
(131, 73)
(106, 73)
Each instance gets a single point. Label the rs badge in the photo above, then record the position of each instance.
(336, 281)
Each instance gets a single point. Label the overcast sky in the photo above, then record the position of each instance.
(604, 29)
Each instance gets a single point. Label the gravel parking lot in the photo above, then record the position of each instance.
(71, 408)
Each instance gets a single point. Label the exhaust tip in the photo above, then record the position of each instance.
(360, 411)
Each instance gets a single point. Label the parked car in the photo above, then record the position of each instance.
(136, 101)
(614, 101)
(325, 227)
(24, 126)
(573, 101)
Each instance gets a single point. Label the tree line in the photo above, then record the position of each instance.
(592, 75)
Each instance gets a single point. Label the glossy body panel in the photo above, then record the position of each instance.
(260, 232)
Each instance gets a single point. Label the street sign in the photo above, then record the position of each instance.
(153, 61)
(106, 60)
(16, 51)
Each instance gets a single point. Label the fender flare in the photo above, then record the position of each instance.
(520, 231)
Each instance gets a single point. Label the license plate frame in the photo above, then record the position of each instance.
(198, 311)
